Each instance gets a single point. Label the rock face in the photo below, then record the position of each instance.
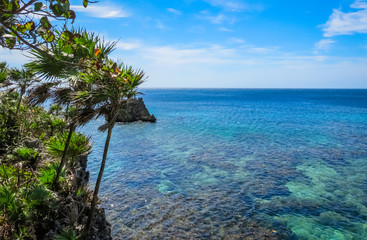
(135, 110)
(74, 209)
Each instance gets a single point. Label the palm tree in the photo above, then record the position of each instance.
(4, 72)
(21, 80)
(59, 65)
(111, 88)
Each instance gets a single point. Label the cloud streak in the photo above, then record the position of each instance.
(347, 23)
(235, 5)
(102, 11)
(174, 11)
(323, 45)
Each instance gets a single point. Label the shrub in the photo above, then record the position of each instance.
(79, 145)
(48, 173)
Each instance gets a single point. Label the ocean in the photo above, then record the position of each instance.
(238, 164)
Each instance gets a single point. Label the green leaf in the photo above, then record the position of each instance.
(57, 9)
(21, 28)
(67, 35)
(85, 3)
(46, 34)
(30, 26)
(45, 23)
(38, 6)
(10, 42)
(14, 5)
(68, 49)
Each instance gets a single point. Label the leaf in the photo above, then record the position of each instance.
(116, 69)
(30, 26)
(10, 42)
(85, 3)
(47, 36)
(45, 23)
(21, 28)
(70, 15)
(97, 51)
(103, 127)
(68, 49)
(57, 9)
(13, 6)
(38, 6)
(67, 35)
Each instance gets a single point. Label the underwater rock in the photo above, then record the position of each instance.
(135, 110)
(332, 219)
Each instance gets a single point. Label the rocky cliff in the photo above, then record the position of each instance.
(135, 110)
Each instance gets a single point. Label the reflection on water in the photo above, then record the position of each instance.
(237, 164)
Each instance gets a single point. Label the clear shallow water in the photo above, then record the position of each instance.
(231, 164)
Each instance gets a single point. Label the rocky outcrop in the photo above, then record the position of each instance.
(74, 208)
(135, 110)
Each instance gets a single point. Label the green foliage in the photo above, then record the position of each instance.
(22, 200)
(47, 176)
(8, 121)
(26, 24)
(4, 72)
(48, 173)
(10, 174)
(79, 145)
(55, 109)
(72, 51)
(21, 79)
(26, 154)
(67, 234)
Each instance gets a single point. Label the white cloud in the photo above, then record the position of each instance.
(174, 11)
(323, 45)
(225, 29)
(199, 65)
(235, 5)
(102, 11)
(347, 23)
(127, 45)
(260, 50)
(216, 19)
(161, 26)
(14, 58)
(236, 40)
(359, 4)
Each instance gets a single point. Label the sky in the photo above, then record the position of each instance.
(233, 43)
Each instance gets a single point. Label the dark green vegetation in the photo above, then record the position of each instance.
(43, 191)
(27, 24)
(30, 207)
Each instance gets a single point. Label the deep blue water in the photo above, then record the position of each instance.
(236, 163)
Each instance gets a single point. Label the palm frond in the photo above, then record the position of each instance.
(63, 96)
(40, 93)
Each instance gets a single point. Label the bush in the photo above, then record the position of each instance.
(79, 145)
(8, 121)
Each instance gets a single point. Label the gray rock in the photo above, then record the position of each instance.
(32, 143)
(135, 110)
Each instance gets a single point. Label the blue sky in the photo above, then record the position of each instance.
(235, 43)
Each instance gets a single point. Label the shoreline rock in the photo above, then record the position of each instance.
(74, 208)
(135, 110)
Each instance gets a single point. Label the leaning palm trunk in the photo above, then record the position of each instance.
(96, 188)
(19, 101)
(63, 158)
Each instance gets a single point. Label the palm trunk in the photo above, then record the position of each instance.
(96, 188)
(18, 105)
(63, 158)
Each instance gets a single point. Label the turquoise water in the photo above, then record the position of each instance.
(236, 164)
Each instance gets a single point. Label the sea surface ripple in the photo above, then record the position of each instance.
(238, 164)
